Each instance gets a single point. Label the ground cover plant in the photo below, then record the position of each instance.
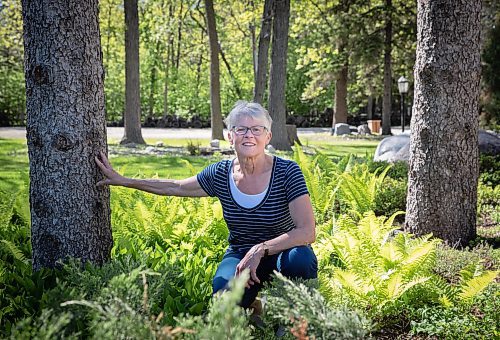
(374, 279)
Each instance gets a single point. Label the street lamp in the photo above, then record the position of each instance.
(403, 85)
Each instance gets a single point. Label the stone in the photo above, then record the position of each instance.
(489, 143)
(342, 129)
(130, 145)
(271, 149)
(215, 143)
(393, 149)
(159, 144)
(150, 149)
(364, 130)
(353, 129)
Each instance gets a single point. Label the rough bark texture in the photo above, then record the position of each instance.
(340, 113)
(387, 103)
(443, 169)
(66, 128)
(132, 117)
(263, 53)
(277, 78)
(215, 105)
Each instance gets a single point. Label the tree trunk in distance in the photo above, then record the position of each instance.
(340, 112)
(277, 78)
(132, 118)
(215, 105)
(443, 169)
(66, 129)
(293, 137)
(263, 53)
(387, 103)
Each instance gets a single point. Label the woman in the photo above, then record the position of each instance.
(265, 203)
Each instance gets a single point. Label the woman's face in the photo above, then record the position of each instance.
(248, 144)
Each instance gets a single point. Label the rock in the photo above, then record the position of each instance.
(342, 129)
(159, 144)
(271, 149)
(397, 148)
(150, 149)
(215, 143)
(489, 143)
(364, 130)
(130, 145)
(353, 129)
(393, 149)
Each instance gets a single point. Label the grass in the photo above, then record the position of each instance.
(14, 157)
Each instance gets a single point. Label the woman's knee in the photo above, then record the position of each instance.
(298, 262)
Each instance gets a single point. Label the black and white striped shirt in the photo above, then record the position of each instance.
(268, 219)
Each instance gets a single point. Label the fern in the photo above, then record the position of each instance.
(14, 251)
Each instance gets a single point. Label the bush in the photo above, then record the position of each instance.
(489, 169)
(391, 198)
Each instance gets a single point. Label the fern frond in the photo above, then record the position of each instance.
(13, 250)
(476, 285)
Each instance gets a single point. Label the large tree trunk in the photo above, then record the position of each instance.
(66, 128)
(132, 118)
(215, 106)
(260, 77)
(277, 78)
(387, 104)
(443, 170)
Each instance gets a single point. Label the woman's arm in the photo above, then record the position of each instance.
(188, 187)
(304, 233)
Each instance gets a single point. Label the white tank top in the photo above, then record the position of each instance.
(245, 200)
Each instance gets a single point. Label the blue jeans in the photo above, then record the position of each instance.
(296, 262)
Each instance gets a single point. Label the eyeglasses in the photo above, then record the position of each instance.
(256, 130)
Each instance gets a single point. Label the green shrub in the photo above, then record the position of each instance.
(391, 198)
(301, 308)
(489, 169)
(398, 170)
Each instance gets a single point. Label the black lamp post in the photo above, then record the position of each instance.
(403, 85)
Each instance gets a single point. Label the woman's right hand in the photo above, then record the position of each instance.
(112, 177)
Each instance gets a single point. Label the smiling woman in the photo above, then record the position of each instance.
(265, 201)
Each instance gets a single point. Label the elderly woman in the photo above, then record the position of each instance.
(265, 202)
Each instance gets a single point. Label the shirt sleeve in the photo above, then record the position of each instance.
(295, 184)
(206, 178)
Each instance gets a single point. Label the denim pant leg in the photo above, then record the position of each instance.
(227, 269)
(298, 262)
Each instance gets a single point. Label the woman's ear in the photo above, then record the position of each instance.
(230, 137)
(269, 136)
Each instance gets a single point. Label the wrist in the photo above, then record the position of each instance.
(264, 249)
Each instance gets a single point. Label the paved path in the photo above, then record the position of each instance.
(151, 133)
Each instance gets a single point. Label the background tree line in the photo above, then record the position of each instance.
(342, 54)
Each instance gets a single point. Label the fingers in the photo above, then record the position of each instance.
(253, 276)
(105, 160)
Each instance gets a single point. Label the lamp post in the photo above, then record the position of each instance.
(403, 85)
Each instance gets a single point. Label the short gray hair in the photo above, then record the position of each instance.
(249, 109)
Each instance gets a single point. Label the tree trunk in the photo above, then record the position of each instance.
(215, 106)
(152, 84)
(66, 129)
(277, 78)
(340, 112)
(263, 53)
(387, 103)
(443, 169)
(132, 118)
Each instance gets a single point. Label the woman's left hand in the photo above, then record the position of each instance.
(250, 261)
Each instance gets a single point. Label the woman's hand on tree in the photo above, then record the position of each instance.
(112, 177)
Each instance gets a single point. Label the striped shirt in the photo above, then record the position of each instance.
(268, 219)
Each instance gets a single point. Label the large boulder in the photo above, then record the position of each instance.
(364, 130)
(489, 143)
(342, 129)
(397, 148)
(393, 149)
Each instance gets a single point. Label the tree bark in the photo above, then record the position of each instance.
(277, 78)
(215, 105)
(132, 118)
(443, 169)
(260, 77)
(66, 128)
(340, 112)
(387, 103)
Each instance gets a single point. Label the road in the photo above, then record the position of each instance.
(116, 133)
